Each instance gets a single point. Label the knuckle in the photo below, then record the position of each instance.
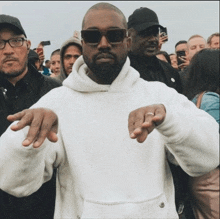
(35, 124)
(138, 119)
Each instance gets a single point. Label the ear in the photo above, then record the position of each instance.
(129, 41)
(28, 45)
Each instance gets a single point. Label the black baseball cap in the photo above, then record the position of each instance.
(13, 21)
(143, 18)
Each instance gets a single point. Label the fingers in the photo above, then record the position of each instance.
(48, 129)
(16, 116)
(163, 39)
(25, 118)
(43, 124)
(34, 130)
(147, 126)
(144, 120)
(135, 121)
(158, 118)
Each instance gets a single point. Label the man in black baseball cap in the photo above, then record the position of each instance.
(143, 28)
(21, 85)
(143, 18)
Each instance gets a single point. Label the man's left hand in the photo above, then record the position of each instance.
(142, 121)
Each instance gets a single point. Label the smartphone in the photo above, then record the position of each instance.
(40, 51)
(163, 32)
(179, 54)
(45, 43)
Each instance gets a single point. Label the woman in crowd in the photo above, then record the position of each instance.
(203, 86)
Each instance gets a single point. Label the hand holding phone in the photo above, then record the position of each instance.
(40, 51)
(181, 54)
(182, 59)
(163, 34)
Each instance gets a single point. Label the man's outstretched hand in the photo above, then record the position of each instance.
(43, 124)
(142, 121)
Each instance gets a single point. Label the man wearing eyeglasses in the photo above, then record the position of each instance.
(144, 29)
(103, 173)
(21, 85)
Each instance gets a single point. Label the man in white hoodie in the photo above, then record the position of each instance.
(101, 171)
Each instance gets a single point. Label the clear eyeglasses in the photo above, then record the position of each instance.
(13, 42)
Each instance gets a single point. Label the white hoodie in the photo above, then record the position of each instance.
(102, 172)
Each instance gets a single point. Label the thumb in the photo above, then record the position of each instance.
(52, 136)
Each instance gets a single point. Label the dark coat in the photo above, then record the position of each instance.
(153, 69)
(13, 99)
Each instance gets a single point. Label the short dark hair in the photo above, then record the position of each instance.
(55, 52)
(47, 61)
(181, 42)
(105, 5)
(166, 55)
(202, 73)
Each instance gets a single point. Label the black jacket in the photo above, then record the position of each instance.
(13, 99)
(153, 69)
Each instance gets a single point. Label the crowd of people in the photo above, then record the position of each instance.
(68, 125)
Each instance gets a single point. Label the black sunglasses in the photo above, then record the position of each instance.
(149, 32)
(93, 37)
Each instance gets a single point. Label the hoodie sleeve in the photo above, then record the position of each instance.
(191, 135)
(24, 169)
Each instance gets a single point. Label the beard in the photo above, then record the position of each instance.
(106, 72)
(14, 73)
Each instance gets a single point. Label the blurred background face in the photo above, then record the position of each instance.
(71, 54)
(146, 42)
(194, 45)
(181, 47)
(214, 42)
(55, 64)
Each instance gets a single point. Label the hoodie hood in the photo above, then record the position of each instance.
(79, 81)
(74, 40)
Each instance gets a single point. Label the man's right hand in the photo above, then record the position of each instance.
(185, 61)
(43, 124)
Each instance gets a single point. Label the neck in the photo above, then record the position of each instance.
(99, 80)
(18, 78)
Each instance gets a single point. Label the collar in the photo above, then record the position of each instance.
(30, 81)
(123, 83)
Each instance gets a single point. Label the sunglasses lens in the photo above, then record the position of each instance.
(92, 36)
(149, 32)
(115, 36)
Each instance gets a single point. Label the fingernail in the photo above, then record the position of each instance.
(14, 126)
(132, 135)
(26, 142)
(36, 144)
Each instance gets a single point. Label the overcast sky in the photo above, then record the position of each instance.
(56, 20)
